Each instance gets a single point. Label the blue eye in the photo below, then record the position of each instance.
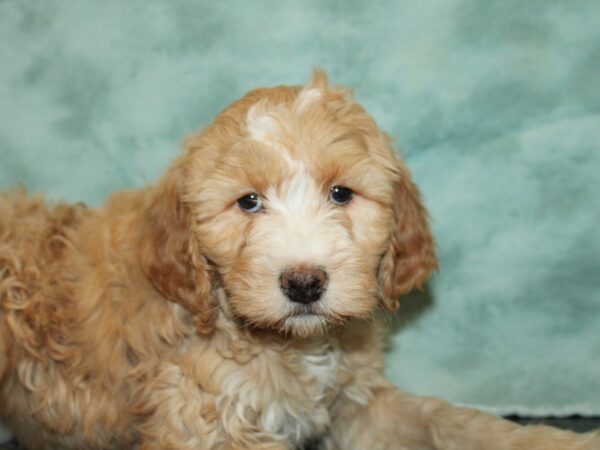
(250, 203)
(341, 195)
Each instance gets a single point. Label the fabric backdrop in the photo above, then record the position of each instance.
(494, 104)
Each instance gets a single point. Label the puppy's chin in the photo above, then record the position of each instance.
(304, 326)
(298, 321)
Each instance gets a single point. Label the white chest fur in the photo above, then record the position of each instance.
(286, 394)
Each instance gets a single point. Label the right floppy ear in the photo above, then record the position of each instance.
(168, 254)
(410, 257)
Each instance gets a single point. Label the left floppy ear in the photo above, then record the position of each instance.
(410, 257)
(168, 255)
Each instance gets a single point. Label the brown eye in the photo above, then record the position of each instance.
(250, 203)
(341, 195)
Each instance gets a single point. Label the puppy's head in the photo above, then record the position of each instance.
(296, 199)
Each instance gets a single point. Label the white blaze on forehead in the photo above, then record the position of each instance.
(306, 97)
(264, 126)
(301, 222)
(261, 123)
(300, 193)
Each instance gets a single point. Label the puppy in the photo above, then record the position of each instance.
(232, 305)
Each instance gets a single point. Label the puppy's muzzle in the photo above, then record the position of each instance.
(303, 284)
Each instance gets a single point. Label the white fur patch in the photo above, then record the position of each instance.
(306, 97)
(323, 366)
(301, 193)
(294, 422)
(263, 126)
(293, 409)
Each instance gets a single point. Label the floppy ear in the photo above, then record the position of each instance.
(410, 257)
(168, 254)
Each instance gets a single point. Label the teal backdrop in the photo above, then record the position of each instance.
(495, 106)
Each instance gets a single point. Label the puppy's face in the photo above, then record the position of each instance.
(293, 196)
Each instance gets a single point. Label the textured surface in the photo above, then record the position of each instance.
(496, 106)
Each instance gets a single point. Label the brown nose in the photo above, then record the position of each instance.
(303, 284)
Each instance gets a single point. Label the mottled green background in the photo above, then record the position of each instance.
(495, 105)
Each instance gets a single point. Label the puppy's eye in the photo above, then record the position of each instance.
(341, 195)
(250, 203)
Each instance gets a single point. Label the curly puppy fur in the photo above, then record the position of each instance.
(158, 321)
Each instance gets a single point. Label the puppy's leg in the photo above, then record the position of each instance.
(395, 420)
(391, 420)
(456, 428)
